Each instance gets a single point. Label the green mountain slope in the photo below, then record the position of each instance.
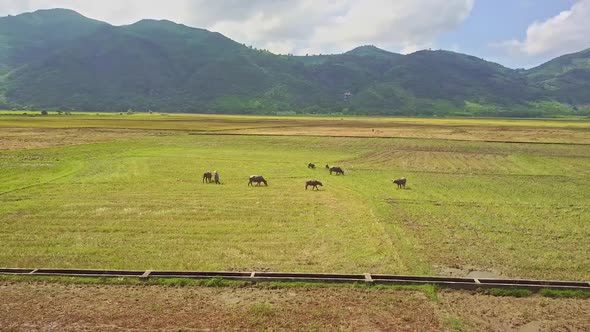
(32, 36)
(566, 78)
(155, 65)
(58, 59)
(437, 82)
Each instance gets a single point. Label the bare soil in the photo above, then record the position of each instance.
(57, 307)
(463, 133)
(468, 271)
(37, 138)
(69, 307)
(509, 314)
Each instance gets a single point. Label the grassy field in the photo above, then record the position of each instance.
(110, 191)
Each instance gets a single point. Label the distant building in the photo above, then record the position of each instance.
(347, 96)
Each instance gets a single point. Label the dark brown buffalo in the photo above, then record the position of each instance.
(258, 179)
(314, 184)
(207, 177)
(401, 182)
(336, 169)
(311, 166)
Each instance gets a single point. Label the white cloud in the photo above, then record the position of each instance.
(411, 48)
(569, 31)
(402, 24)
(286, 26)
(339, 25)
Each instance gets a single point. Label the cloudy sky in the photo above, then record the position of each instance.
(515, 33)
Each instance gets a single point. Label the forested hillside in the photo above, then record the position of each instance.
(58, 59)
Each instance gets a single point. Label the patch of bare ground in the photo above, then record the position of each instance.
(37, 138)
(457, 132)
(468, 271)
(480, 312)
(59, 307)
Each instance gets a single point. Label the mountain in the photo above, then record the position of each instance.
(372, 51)
(566, 78)
(58, 59)
(29, 37)
(442, 81)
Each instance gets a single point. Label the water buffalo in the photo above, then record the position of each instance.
(314, 184)
(401, 182)
(336, 169)
(258, 179)
(207, 177)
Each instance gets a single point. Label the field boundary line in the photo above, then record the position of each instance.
(253, 276)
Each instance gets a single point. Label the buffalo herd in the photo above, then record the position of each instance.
(209, 177)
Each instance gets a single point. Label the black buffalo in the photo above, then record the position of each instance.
(314, 184)
(257, 179)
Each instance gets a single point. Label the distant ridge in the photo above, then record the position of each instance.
(59, 59)
(370, 50)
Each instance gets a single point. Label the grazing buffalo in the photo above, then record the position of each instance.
(314, 184)
(401, 182)
(207, 177)
(336, 169)
(311, 166)
(258, 179)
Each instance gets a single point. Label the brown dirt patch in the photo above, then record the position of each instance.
(505, 314)
(468, 271)
(465, 133)
(36, 138)
(57, 307)
(538, 131)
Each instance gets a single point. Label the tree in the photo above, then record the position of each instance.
(44, 113)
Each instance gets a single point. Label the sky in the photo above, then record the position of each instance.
(514, 33)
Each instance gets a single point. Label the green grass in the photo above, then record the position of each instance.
(453, 323)
(567, 293)
(144, 199)
(512, 292)
(521, 209)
